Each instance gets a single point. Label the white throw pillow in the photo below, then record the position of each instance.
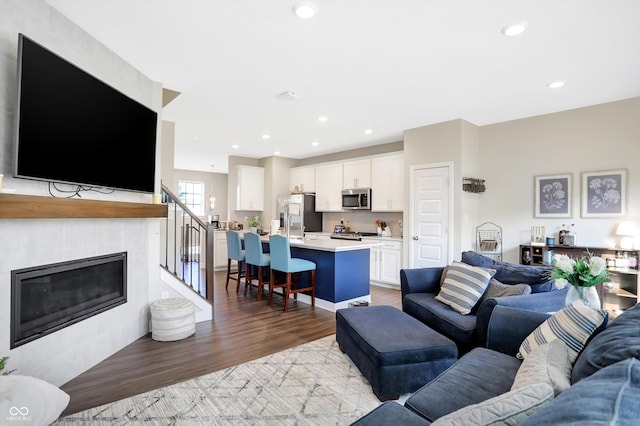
(510, 408)
(28, 400)
(463, 286)
(549, 363)
(573, 324)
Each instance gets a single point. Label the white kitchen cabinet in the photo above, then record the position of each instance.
(250, 188)
(356, 174)
(220, 254)
(374, 264)
(304, 178)
(390, 262)
(329, 191)
(387, 184)
(385, 262)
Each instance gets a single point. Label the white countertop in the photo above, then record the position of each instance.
(368, 237)
(331, 245)
(326, 244)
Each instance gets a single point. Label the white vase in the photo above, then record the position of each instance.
(587, 294)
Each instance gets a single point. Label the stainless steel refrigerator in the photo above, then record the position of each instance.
(300, 216)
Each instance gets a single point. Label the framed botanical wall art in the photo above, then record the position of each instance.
(552, 195)
(604, 194)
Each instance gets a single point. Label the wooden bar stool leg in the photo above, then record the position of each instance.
(239, 275)
(271, 281)
(228, 273)
(247, 277)
(259, 283)
(286, 293)
(313, 287)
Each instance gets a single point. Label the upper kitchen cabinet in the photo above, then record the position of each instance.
(387, 183)
(304, 178)
(250, 188)
(329, 193)
(356, 174)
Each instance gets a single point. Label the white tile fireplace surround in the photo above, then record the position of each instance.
(64, 354)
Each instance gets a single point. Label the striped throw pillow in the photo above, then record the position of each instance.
(573, 324)
(463, 286)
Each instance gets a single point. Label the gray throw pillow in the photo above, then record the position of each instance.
(548, 363)
(510, 408)
(463, 286)
(498, 289)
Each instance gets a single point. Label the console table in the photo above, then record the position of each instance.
(616, 296)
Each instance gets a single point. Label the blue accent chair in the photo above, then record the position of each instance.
(281, 261)
(234, 252)
(255, 256)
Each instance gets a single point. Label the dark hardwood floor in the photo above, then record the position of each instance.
(242, 330)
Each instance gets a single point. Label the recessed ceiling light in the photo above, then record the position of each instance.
(368, 131)
(266, 136)
(556, 84)
(288, 95)
(315, 143)
(235, 146)
(305, 9)
(514, 29)
(276, 153)
(322, 118)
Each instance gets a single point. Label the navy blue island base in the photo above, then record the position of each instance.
(342, 270)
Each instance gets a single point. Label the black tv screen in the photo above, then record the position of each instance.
(73, 128)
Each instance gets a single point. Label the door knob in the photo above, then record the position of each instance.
(415, 237)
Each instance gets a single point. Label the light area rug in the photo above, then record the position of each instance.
(311, 384)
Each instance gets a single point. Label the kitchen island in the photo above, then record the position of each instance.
(342, 269)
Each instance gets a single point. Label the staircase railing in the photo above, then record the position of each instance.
(188, 246)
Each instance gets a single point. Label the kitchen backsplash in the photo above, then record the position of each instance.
(362, 221)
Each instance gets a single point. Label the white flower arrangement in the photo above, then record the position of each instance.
(579, 273)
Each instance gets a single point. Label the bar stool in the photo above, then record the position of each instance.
(281, 261)
(255, 256)
(234, 252)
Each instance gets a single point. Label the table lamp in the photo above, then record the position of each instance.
(626, 230)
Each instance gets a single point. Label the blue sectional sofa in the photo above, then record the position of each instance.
(420, 287)
(604, 383)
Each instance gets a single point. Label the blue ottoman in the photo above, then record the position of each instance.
(394, 351)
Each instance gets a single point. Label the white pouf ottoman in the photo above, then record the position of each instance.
(172, 319)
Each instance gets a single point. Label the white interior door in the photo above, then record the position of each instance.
(430, 224)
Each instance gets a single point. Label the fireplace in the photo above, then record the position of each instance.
(48, 298)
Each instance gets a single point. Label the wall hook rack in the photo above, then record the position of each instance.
(474, 185)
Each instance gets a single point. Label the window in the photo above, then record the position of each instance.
(192, 195)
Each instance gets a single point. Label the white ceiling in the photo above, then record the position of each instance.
(387, 65)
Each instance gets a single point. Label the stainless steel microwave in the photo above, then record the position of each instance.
(356, 199)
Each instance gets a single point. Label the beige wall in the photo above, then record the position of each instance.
(601, 137)
(454, 142)
(508, 155)
(168, 149)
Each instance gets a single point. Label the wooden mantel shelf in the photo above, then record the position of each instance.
(15, 206)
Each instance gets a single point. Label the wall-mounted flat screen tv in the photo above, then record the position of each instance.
(73, 128)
